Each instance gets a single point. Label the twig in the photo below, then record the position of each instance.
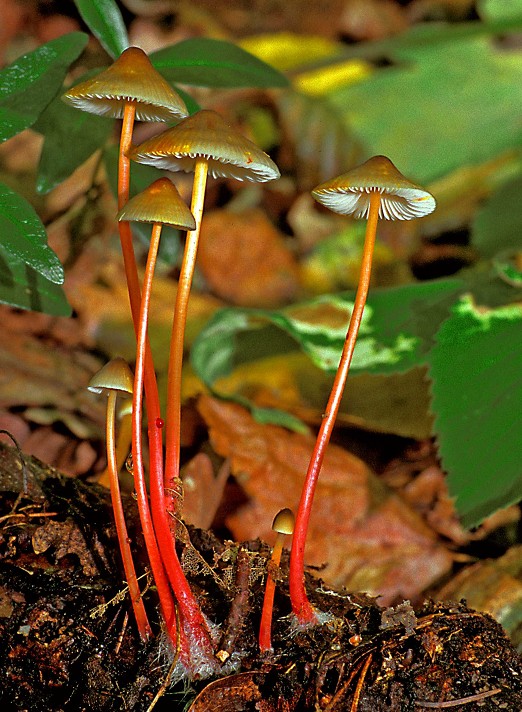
(461, 701)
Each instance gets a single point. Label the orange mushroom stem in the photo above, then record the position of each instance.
(284, 525)
(374, 190)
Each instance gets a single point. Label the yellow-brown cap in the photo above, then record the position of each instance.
(113, 376)
(131, 78)
(206, 135)
(159, 203)
(350, 193)
(284, 521)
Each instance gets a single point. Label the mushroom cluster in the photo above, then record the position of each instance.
(205, 145)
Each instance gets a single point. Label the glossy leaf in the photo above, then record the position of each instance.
(22, 287)
(104, 19)
(29, 84)
(497, 226)
(483, 122)
(477, 392)
(202, 61)
(62, 125)
(23, 237)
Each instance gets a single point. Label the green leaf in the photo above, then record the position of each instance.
(22, 287)
(207, 62)
(23, 237)
(501, 9)
(477, 392)
(28, 85)
(431, 126)
(63, 126)
(497, 225)
(396, 333)
(104, 19)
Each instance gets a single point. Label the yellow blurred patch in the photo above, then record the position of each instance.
(287, 51)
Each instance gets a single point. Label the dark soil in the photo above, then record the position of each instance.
(68, 641)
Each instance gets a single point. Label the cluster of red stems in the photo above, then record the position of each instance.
(205, 145)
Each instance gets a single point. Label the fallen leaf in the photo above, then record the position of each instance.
(367, 538)
(245, 260)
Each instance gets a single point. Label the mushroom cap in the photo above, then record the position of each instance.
(159, 203)
(284, 521)
(350, 193)
(131, 78)
(114, 376)
(206, 135)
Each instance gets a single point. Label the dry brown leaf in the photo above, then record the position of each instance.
(245, 261)
(368, 538)
(66, 538)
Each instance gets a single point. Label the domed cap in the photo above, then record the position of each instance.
(400, 199)
(114, 376)
(284, 522)
(206, 135)
(131, 78)
(159, 203)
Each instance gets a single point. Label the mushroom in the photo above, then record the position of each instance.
(205, 144)
(374, 190)
(283, 524)
(129, 89)
(161, 204)
(114, 379)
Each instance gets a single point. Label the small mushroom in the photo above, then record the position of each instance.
(374, 190)
(283, 524)
(206, 144)
(114, 379)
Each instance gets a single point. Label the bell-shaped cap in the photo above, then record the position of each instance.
(284, 522)
(206, 135)
(350, 193)
(114, 376)
(159, 203)
(131, 78)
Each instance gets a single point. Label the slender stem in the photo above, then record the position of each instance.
(265, 628)
(149, 378)
(300, 604)
(178, 330)
(190, 612)
(121, 527)
(137, 452)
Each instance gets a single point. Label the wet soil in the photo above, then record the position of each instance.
(68, 642)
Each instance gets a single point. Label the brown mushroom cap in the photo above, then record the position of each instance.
(284, 522)
(159, 203)
(350, 193)
(114, 376)
(131, 78)
(206, 135)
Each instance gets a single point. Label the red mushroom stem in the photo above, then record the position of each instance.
(148, 377)
(193, 630)
(301, 606)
